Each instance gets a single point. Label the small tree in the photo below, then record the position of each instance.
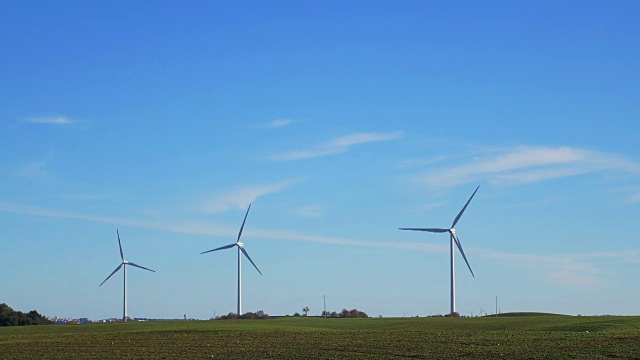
(355, 313)
(249, 315)
(260, 314)
(229, 316)
(305, 310)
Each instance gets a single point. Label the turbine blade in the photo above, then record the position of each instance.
(114, 271)
(244, 221)
(138, 266)
(220, 248)
(464, 208)
(249, 257)
(120, 244)
(436, 230)
(457, 241)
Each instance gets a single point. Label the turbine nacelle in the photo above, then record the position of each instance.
(240, 244)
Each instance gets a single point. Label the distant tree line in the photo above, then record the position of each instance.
(354, 313)
(249, 316)
(9, 317)
(454, 314)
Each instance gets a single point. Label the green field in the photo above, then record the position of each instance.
(516, 337)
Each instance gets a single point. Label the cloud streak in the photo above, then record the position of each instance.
(185, 227)
(311, 211)
(37, 170)
(576, 270)
(52, 120)
(336, 146)
(522, 165)
(277, 123)
(213, 229)
(240, 198)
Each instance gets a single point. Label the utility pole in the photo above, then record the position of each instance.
(496, 305)
(324, 300)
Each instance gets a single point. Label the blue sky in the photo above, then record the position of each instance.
(340, 122)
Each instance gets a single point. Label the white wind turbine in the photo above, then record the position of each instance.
(240, 250)
(123, 265)
(453, 239)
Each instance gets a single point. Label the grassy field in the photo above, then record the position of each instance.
(517, 337)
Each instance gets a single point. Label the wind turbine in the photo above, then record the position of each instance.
(123, 265)
(453, 239)
(240, 250)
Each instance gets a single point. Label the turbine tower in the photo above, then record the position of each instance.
(123, 265)
(453, 238)
(241, 251)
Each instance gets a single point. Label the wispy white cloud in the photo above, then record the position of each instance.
(336, 146)
(298, 236)
(523, 165)
(579, 270)
(182, 227)
(88, 196)
(631, 193)
(627, 255)
(277, 123)
(36, 170)
(52, 120)
(311, 211)
(431, 206)
(215, 229)
(416, 163)
(573, 274)
(240, 198)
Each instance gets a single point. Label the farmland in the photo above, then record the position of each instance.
(522, 337)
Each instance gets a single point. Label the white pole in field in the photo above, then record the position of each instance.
(239, 283)
(453, 280)
(124, 307)
(324, 300)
